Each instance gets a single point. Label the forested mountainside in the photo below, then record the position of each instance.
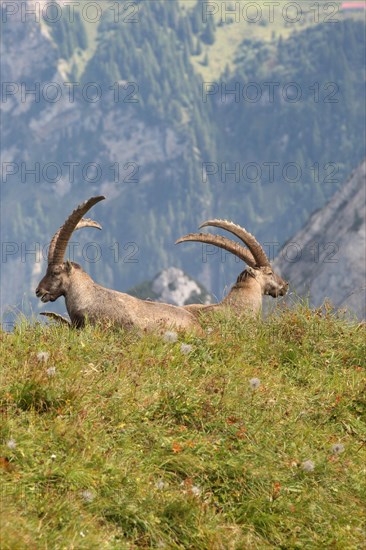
(144, 118)
(328, 256)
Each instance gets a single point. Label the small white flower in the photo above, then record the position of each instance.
(196, 491)
(209, 330)
(308, 466)
(170, 336)
(186, 349)
(254, 383)
(88, 496)
(11, 444)
(82, 534)
(53, 457)
(43, 356)
(337, 448)
(160, 484)
(51, 371)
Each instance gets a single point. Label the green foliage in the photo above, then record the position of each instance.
(143, 445)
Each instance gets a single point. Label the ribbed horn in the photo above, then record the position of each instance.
(62, 236)
(260, 256)
(56, 317)
(222, 242)
(84, 222)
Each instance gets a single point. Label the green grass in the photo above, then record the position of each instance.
(132, 444)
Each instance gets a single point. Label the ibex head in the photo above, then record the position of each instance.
(270, 283)
(254, 256)
(57, 279)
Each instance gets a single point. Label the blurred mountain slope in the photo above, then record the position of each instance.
(149, 146)
(328, 255)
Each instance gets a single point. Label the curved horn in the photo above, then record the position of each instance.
(84, 222)
(55, 317)
(222, 242)
(247, 238)
(61, 238)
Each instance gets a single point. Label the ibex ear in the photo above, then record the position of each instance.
(251, 271)
(68, 266)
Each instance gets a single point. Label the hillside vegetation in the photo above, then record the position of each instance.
(252, 437)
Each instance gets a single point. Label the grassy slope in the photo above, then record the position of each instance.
(132, 444)
(230, 35)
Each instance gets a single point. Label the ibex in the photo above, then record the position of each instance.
(255, 281)
(86, 300)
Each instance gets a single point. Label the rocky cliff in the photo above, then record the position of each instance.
(173, 286)
(327, 258)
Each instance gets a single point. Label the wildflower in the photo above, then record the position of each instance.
(160, 484)
(88, 496)
(254, 383)
(308, 466)
(170, 336)
(196, 491)
(276, 490)
(51, 371)
(209, 330)
(337, 448)
(11, 444)
(176, 447)
(186, 349)
(53, 456)
(43, 356)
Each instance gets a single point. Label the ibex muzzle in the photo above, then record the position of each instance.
(54, 283)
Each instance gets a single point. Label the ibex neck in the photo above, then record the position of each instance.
(79, 295)
(244, 296)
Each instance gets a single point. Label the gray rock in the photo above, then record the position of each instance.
(327, 258)
(172, 286)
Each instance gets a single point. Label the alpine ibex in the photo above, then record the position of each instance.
(255, 281)
(86, 300)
